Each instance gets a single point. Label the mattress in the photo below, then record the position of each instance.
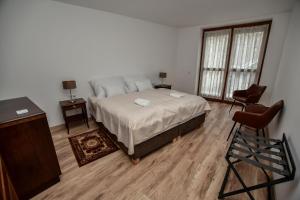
(134, 124)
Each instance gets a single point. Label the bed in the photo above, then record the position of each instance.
(139, 130)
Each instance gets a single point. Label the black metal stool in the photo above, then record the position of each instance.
(267, 154)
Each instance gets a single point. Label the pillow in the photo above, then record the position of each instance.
(143, 85)
(114, 89)
(91, 83)
(98, 83)
(99, 91)
(130, 82)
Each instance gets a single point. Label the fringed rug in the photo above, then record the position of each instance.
(90, 146)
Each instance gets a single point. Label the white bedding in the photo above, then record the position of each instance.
(134, 124)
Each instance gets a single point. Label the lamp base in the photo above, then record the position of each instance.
(71, 97)
(161, 81)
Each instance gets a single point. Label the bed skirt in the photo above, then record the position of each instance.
(147, 147)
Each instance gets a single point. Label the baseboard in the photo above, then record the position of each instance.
(57, 127)
(61, 126)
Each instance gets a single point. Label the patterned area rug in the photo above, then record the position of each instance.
(90, 146)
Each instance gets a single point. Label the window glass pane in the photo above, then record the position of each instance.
(246, 56)
(220, 74)
(215, 51)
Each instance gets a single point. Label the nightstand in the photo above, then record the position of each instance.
(163, 86)
(67, 105)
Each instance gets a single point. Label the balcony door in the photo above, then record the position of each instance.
(231, 59)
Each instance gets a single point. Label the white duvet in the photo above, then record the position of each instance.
(134, 124)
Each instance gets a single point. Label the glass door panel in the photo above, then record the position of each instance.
(215, 53)
(246, 58)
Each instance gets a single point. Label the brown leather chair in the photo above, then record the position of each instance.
(251, 95)
(256, 116)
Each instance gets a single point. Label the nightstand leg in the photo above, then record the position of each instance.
(86, 117)
(83, 114)
(66, 121)
(67, 125)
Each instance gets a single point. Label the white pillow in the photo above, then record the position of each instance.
(143, 85)
(112, 90)
(98, 84)
(130, 82)
(92, 84)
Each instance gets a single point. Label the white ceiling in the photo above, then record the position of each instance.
(180, 13)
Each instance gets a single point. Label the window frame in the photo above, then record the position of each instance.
(231, 27)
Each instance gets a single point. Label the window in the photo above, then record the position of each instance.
(232, 58)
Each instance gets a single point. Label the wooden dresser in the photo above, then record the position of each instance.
(7, 190)
(26, 147)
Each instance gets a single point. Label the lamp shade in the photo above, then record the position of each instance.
(162, 75)
(69, 84)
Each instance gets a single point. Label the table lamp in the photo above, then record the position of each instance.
(69, 85)
(162, 76)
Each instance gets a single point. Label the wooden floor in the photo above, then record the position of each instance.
(191, 168)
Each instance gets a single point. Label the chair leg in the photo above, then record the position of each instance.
(243, 107)
(240, 126)
(263, 131)
(231, 105)
(231, 131)
(257, 134)
(264, 135)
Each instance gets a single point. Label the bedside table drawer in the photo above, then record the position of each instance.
(71, 107)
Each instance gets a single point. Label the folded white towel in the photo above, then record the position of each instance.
(177, 94)
(142, 102)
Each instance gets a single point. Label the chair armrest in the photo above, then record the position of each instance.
(249, 119)
(255, 108)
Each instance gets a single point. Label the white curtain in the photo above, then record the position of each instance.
(246, 57)
(214, 61)
(247, 49)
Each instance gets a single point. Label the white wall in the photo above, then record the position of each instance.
(187, 60)
(188, 51)
(287, 88)
(43, 42)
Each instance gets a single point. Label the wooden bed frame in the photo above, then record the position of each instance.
(145, 148)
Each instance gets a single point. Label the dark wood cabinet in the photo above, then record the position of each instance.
(26, 147)
(7, 191)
